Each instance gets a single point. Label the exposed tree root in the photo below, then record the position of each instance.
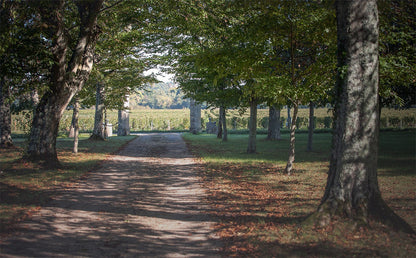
(46, 161)
(361, 215)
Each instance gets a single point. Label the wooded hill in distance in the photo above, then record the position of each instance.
(159, 96)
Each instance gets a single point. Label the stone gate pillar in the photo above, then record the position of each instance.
(123, 119)
(195, 113)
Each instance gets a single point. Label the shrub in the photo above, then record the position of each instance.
(409, 122)
(394, 122)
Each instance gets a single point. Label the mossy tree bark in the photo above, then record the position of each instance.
(67, 75)
(352, 189)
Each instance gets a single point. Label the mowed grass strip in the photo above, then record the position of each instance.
(25, 187)
(260, 210)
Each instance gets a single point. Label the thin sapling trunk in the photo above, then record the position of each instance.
(291, 158)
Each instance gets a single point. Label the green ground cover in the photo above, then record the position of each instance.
(260, 210)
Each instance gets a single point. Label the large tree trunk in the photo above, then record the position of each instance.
(291, 158)
(252, 127)
(273, 131)
(219, 131)
(67, 77)
(352, 188)
(98, 130)
(45, 125)
(224, 125)
(311, 126)
(75, 119)
(6, 29)
(5, 115)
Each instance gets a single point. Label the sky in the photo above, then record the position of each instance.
(161, 76)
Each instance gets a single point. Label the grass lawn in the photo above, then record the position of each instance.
(260, 210)
(24, 187)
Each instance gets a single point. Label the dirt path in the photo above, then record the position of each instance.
(144, 202)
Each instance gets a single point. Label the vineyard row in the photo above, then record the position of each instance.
(171, 119)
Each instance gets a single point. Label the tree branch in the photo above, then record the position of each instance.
(110, 6)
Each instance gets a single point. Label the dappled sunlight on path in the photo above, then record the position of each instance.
(146, 201)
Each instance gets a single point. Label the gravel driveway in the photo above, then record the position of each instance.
(144, 202)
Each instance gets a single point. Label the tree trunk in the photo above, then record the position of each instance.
(252, 128)
(352, 187)
(45, 125)
(72, 128)
(219, 132)
(311, 126)
(98, 131)
(5, 115)
(273, 131)
(289, 119)
(224, 125)
(75, 119)
(67, 76)
(291, 158)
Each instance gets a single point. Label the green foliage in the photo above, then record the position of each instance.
(120, 55)
(297, 62)
(285, 49)
(397, 53)
(24, 58)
